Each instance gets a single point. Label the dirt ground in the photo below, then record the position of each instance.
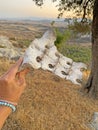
(50, 103)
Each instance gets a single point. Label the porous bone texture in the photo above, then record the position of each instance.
(42, 53)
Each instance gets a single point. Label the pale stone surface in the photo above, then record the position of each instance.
(42, 53)
(7, 49)
(5, 43)
(94, 123)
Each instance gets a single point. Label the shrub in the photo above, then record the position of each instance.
(61, 37)
(74, 51)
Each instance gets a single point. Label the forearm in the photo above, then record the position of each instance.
(4, 113)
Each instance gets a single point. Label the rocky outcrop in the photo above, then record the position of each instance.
(7, 49)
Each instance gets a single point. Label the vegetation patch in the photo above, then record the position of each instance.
(76, 52)
(62, 37)
(24, 43)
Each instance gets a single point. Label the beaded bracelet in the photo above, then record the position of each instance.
(5, 103)
(13, 103)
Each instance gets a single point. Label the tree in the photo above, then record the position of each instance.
(92, 84)
(79, 7)
(85, 6)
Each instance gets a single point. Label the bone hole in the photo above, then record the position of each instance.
(79, 81)
(82, 69)
(47, 46)
(51, 66)
(38, 59)
(64, 73)
(68, 63)
(56, 54)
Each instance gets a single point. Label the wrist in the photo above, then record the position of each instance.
(5, 108)
(4, 113)
(13, 103)
(8, 104)
(9, 99)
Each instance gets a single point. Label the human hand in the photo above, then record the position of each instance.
(12, 83)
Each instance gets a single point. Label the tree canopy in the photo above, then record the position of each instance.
(80, 7)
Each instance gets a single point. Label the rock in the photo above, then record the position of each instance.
(5, 43)
(94, 123)
(42, 53)
(7, 49)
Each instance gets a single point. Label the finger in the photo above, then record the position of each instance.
(16, 66)
(20, 77)
(13, 70)
(22, 73)
(22, 82)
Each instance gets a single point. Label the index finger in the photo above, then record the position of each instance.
(14, 69)
(11, 73)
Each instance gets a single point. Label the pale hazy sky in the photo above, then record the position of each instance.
(23, 8)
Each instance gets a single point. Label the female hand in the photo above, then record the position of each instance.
(12, 83)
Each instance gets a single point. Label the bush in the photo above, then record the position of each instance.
(74, 51)
(61, 37)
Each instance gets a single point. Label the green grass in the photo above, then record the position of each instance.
(76, 52)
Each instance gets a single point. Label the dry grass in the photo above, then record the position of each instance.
(50, 103)
(21, 30)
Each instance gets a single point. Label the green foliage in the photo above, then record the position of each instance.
(76, 52)
(79, 27)
(52, 23)
(62, 37)
(26, 42)
(79, 7)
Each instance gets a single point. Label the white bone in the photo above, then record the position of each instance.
(48, 63)
(42, 53)
(76, 73)
(66, 62)
(30, 57)
(52, 53)
(47, 41)
(61, 71)
(74, 76)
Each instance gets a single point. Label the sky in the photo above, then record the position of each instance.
(27, 8)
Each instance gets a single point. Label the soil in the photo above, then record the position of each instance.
(50, 103)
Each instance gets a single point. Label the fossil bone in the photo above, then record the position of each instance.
(42, 53)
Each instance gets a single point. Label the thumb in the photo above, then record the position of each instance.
(23, 73)
(21, 76)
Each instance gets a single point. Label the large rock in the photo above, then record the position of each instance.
(5, 43)
(7, 49)
(42, 53)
